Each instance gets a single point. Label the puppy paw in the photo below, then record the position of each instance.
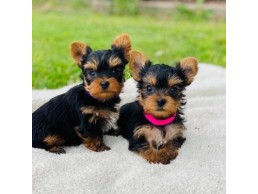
(168, 155)
(57, 150)
(95, 144)
(164, 156)
(103, 148)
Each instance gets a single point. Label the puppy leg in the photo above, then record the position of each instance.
(95, 144)
(91, 140)
(168, 153)
(163, 154)
(53, 144)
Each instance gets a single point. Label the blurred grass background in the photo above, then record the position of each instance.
(163, 37)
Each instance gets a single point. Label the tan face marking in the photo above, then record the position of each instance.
(92, 64)
(150, 106)
(114, 61)
(174, 80)
(96, 90)
(150, 79)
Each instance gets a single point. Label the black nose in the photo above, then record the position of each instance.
(161, 102)
(104, 84)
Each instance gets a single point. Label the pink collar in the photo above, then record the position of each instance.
(160, 122)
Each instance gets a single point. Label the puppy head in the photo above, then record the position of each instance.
(102, 70)
(161, 86)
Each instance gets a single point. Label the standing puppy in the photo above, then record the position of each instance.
(153, 125)
(90, 105)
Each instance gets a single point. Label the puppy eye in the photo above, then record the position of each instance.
(173, 90)
(92, 73)
(149, 89)
(113, 71)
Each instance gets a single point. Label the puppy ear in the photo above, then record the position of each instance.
(78, 50)
(189, 67)
(123, 42)
(136, 63)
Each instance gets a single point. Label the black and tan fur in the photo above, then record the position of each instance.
(160, 90)
(85, 112)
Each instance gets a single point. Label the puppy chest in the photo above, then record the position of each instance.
(160, 134)
(106, 118)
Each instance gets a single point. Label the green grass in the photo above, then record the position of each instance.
(163, 40)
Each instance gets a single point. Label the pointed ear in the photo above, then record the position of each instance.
(123, 42)
(189, 67)
(136, 63)
(78, 50)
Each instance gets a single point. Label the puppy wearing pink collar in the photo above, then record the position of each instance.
(154, 124)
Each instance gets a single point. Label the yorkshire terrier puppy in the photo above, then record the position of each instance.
(153, 124)
(87, 111)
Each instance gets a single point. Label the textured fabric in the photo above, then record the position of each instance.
(199, 168)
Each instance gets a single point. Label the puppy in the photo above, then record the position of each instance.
(91, 105)
(153, 124)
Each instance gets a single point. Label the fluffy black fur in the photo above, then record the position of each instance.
(160, 89)
(61, 115)
(132, 116)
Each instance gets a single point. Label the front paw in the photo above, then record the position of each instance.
(92, 143)
(95, 144)
(167, 155)
(163, 156)
(56, 150)
(102, 148)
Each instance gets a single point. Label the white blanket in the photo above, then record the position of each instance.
(199, 168)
